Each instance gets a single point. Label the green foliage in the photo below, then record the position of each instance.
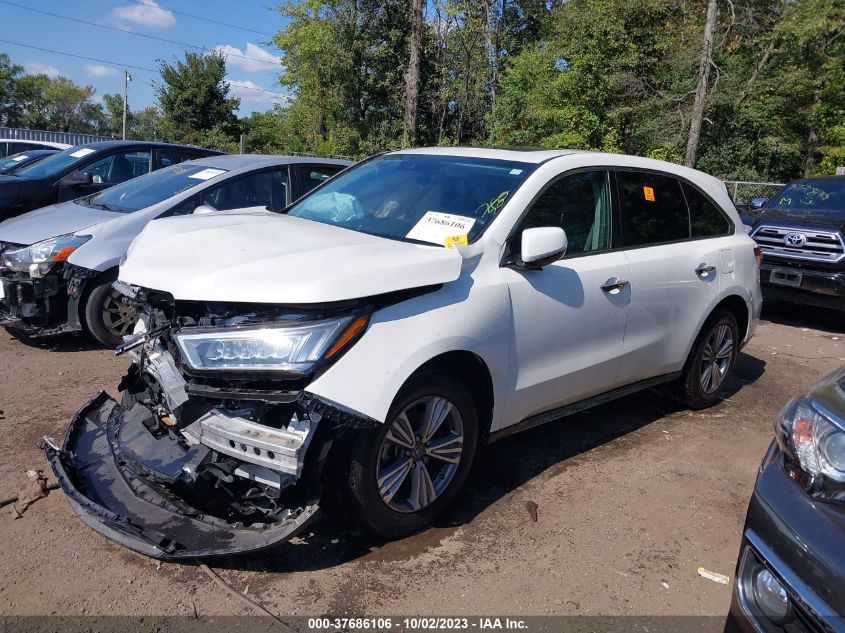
(195, 104)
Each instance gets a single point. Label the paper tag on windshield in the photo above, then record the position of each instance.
(20, 158)
(436, 227)
(83, 152)
(205, 174)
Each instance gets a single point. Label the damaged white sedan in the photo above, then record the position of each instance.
(420, 304)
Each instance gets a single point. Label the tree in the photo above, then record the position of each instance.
(703, 81)
(10, 108)
(194, 100)
(412, 76)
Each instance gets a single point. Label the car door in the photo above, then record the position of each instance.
(108, 170)
(569, 317)
(674, 275)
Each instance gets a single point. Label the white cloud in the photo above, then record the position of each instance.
(95, 70)
(261, 60)
(39, 68)
(148, 13)
(250, 91)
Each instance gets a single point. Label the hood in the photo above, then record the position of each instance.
(809, 216)
(271, 258)
(57, 219)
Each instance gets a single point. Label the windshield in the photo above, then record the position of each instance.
(152, 188)
(416, 197)
(12, 161)
(812, 196)
(56, 164)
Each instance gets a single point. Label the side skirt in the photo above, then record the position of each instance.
(581, 405)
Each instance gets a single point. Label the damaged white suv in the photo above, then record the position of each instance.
(369, 339)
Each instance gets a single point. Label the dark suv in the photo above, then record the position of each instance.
(800, 231)
(86, 169)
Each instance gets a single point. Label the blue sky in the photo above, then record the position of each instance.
(252, 64)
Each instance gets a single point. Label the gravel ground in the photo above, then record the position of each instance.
(630, 498)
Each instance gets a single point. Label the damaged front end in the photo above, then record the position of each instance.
(207, 455)
(40, 299)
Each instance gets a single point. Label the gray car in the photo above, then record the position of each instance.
(57, 264)
(791, 571)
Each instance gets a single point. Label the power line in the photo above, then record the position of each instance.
(90, 59)
(204, 19)
(129, 32)
(113, 63)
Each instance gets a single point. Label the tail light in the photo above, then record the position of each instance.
(758, 255)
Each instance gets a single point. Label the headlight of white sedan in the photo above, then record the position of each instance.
(291, 347)
(38, 258)
(814, 438)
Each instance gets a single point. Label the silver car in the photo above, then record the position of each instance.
(57, 264)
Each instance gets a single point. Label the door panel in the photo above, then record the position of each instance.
(568, 332)
(668, 301)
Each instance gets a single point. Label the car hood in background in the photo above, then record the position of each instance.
(57, 219)
(271, 258)
(810, 216)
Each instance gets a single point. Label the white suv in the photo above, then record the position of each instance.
(418, 304)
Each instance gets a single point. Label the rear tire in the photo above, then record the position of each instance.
(400, 476)
(711, 361)
(106, 317)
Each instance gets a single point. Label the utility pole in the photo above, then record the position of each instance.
(126, 79)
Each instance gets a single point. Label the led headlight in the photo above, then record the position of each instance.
(289, 347)
(814, 437)
(38, 258)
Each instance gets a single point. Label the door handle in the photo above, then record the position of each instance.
(613, 285)
(704, 269)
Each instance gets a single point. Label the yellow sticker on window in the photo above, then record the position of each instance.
(648, 192)
(460, 240)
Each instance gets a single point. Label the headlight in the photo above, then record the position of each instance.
(813, 437)
(288, 347)
(38, 258)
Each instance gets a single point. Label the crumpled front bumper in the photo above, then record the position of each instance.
(36, 307)
(105, 489)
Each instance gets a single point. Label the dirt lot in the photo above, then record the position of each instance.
(631, 499)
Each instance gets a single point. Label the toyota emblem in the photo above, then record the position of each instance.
(795, 239)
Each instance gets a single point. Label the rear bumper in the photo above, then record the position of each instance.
(817, 287)
(126, 500)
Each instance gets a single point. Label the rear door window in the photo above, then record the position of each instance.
(653, 209)
(170, 157)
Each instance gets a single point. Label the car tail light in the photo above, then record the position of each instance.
(758, 255)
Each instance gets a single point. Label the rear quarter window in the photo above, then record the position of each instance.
(706, 220)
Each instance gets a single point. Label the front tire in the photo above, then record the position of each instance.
(106, 316)
(404, 474)
(711, 361)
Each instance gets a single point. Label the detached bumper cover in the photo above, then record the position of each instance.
(124, 507)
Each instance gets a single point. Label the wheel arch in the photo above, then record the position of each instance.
(91, 283)
(473, 370)
(737, 306)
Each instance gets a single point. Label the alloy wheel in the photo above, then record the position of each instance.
(119, 317)
(716, 358)
(420, 454)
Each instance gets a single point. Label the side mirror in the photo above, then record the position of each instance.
(758, 203)
(204, 209)
(76, 179)
(542, 246)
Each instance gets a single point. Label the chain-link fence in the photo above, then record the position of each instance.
(743, 192)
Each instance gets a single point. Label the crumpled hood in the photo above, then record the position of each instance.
(272, 258)
(57, 219)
